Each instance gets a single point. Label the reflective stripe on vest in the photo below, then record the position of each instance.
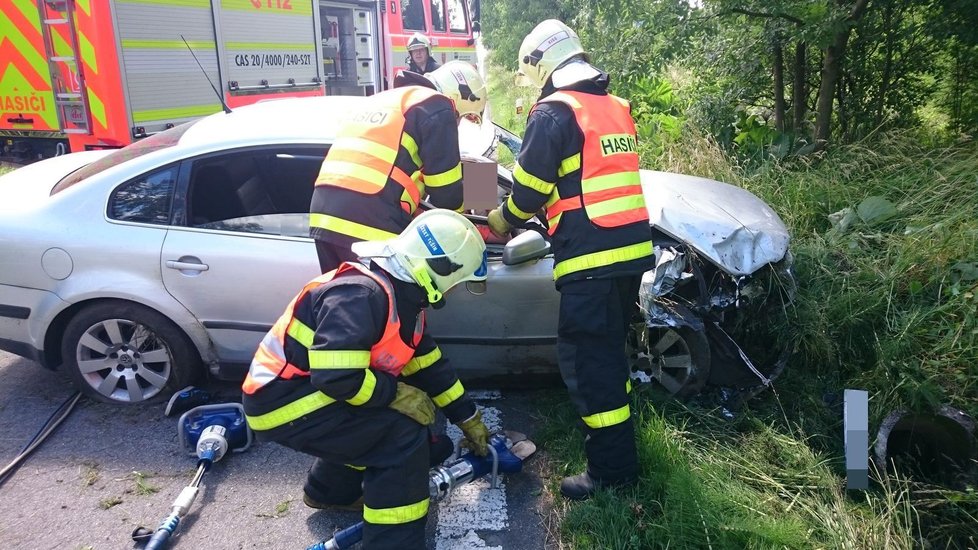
(362, 158)
(389, 354)
(356, 230)
(611, 190)
(603, 258)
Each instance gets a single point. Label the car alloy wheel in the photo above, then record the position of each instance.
(677, 358)
(126, 353)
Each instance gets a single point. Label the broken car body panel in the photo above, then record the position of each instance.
(728, 225)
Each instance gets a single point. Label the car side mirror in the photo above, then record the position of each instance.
(526, 246)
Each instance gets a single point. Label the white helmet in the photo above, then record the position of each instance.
(418, 41)
(462, 83)
(438, 250)
(548, 45)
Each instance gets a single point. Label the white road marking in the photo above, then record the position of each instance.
(475, 506)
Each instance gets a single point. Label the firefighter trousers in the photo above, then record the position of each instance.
(385, 450)
(592, 327)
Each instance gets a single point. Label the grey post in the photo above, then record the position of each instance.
(856, 417)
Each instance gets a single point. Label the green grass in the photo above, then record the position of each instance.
(707, 483)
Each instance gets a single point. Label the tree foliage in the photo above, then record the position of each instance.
(760, 73)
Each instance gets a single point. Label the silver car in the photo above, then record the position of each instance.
(137, 269)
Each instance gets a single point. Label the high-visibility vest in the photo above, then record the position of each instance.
(390, 353)
(611, 189)
(362, 158)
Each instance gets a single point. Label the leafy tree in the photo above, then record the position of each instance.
(506, 22)
(813, 70)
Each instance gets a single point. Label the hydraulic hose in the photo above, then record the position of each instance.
(180, 508)
(51, 424)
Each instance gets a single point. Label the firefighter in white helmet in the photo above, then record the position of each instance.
(578, 161)
(419, 58)
(400, 146)
(348, 375)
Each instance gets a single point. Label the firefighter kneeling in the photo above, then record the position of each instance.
(348, 375)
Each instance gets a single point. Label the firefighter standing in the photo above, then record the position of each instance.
(345, 375)
(578, 160)
(402, 145)
(419, 54)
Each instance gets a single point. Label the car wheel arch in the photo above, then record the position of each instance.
(56, 330)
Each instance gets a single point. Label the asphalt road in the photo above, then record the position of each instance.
(109, 469)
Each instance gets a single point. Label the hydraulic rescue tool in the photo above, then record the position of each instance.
(507, 452)
(208, 432)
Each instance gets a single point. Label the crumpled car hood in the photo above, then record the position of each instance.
(727, 224)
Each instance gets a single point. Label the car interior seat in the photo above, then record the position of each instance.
(254, 197)
(213, 196)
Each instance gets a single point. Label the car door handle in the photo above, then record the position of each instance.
(187, 266)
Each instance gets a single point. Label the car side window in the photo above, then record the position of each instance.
(146, 199)
(265, 190)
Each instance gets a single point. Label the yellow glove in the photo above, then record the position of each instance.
(476, 434)
(498, 224)
(411, 401)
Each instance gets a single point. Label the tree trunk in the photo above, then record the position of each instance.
(799, 92)
(778, 85)
(831, 68)
(889, 34)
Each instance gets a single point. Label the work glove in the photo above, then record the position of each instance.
(411, 401)
(498, 224)
(476, 434)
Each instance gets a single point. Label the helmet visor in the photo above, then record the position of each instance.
(478, 286)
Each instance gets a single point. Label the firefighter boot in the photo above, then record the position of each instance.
(583, 486)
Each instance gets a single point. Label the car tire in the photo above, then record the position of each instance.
(125, 353)
(677, 358)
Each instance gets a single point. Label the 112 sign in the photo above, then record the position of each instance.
(272, 4)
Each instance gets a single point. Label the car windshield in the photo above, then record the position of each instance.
(155, 142)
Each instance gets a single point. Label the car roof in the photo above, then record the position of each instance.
(315, 119)
(303, 119)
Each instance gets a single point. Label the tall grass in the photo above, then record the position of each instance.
(710, 484)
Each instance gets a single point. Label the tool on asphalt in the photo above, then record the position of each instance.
(507, 452)
(208, 432)
(186, 399)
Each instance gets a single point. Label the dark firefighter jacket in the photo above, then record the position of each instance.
(553, 137)
(429, 66)
(385, 161)
(347, 316)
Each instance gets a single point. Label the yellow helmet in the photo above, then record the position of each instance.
(438, 250)
(548, 45)
(418, 41)
(462, 83)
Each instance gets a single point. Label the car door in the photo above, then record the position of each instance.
(240, 250)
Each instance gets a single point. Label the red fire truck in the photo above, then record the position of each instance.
(88, 74)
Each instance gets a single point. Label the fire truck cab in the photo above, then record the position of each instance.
(89, 74)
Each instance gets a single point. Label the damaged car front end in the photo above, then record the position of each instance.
(718, 294)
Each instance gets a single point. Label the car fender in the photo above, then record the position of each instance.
(75, 294)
